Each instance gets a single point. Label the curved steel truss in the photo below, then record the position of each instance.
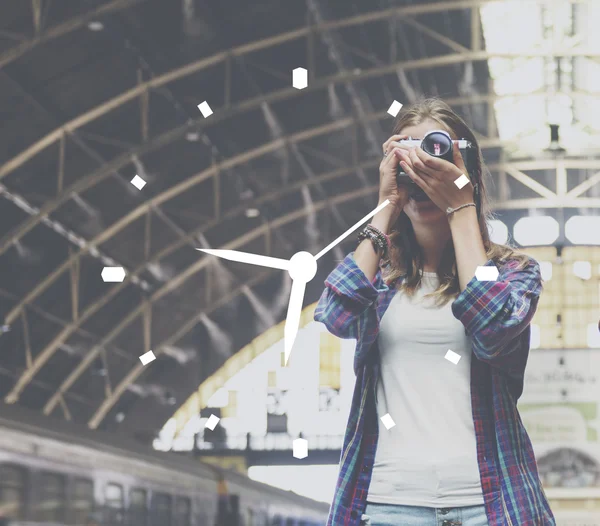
(560, 198)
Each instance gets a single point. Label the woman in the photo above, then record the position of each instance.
(432, 441)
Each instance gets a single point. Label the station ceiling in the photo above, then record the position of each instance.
(96, 92)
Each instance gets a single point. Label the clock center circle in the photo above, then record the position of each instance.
(303, 266)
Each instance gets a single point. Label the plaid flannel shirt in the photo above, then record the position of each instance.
(496, 317)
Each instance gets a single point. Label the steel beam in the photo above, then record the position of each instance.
(145, 208)
(172, 192)
(109, 402)
(135, 372)
(198, 178)
(63, 29)
(194, 67)
(232, 213)
(108, 169)
(190, 271)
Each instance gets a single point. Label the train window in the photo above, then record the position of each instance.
(183, 512)
(277, 521)
(12, 491)
(82, 501)
(290, 522)
(161, 510)
(114, 504)
(138, 511)
(52, 498)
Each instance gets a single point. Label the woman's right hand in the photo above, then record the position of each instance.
(388, 185)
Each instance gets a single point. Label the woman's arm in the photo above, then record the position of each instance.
(493, 313)
(366, 258)
(468, 244)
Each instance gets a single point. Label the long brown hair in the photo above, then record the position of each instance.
(406, 258)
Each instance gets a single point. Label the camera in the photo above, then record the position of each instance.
(438, 143)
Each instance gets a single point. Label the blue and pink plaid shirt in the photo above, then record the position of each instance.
(496, 317)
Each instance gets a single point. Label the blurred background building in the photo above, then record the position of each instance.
(96, 94)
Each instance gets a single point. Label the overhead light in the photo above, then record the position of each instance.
(583, 230)
(252, 212)
(498, 231)
(535, 231)
(95, 25)
(119, 417)
(192, 136)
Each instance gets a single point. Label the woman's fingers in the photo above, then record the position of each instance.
(393, 138)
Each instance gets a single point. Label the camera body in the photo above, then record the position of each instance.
(438, 143)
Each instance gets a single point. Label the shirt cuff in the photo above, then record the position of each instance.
(347, 279)
(470, 297)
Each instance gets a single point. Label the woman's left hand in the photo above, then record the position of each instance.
(436, 176)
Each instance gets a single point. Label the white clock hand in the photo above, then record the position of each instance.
(292, 321)
(351, 229)
(253, 259)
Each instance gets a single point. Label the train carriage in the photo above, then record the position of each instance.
(56, 473)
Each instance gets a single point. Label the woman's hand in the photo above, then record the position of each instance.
(388, 185)
(436, 177)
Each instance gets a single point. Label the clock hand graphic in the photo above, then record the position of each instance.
(302, 268)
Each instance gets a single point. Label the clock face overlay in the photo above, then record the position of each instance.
(302, 267)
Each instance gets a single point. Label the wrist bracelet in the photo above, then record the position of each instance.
(450, 210)
(380, 233)
(381, 242)
(378, 245)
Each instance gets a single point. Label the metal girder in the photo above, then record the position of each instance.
(290, 217)
(109, 402)
(264, 229)
(174, 191)
(196, 179)
(106, 171)
(308, 32)
(49, 350)
(54, 319)
(230, 214)
(62, 29)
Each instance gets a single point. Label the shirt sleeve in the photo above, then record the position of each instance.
(495, 313)
(346, 306)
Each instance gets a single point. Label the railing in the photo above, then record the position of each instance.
(270, 442)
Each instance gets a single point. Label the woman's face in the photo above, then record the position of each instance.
(424, 212)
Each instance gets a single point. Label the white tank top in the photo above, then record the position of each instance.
(429, 457)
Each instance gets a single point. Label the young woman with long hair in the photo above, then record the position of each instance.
(434, 437)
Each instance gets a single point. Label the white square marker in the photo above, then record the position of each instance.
(451, 356)
(300, 448)
(461, 181)
(387, 421)
(486, 273)
(138, 182)
(147, 358)
(113, 274)
(205, 109)
(300, 78)
(395, 108)
(212, 422)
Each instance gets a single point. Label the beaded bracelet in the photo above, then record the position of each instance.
(381, 234)
(378, 239)
(378, 246)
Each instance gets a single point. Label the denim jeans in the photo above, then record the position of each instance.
(395, 515)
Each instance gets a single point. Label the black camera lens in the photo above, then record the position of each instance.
(438, 144)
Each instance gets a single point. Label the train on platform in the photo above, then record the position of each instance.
(53, 473)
